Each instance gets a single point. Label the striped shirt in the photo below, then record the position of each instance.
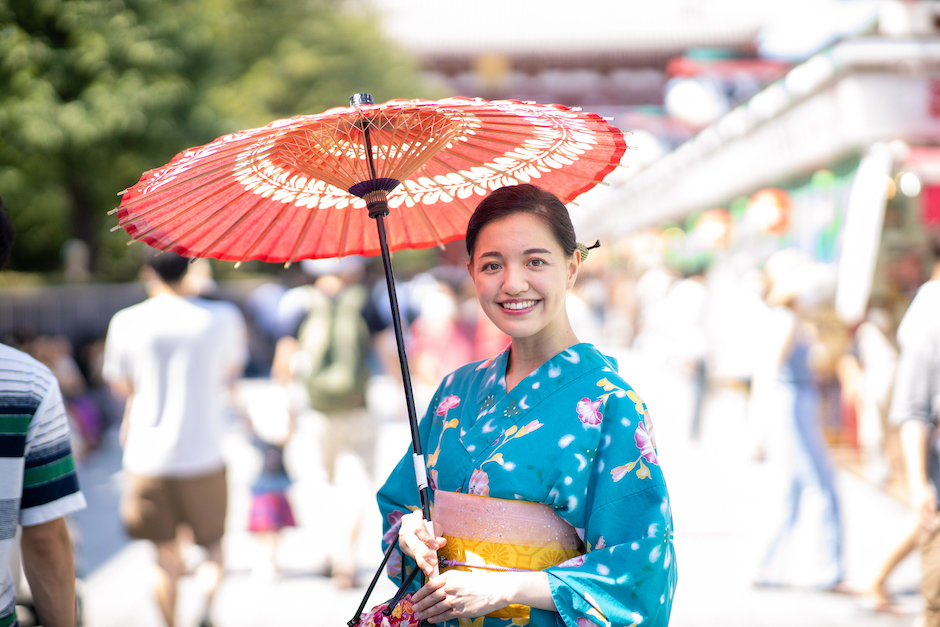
(37, 473)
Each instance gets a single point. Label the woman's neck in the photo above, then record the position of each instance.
(527, 354)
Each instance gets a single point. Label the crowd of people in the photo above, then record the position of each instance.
(503, 354)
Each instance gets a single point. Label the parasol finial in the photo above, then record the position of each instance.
(361, 99)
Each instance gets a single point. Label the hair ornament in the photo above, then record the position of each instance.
(584, 249)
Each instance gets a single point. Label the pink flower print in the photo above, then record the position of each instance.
(620, 472)
(393, 566)
(583, 622)
(645, 444)
(588, 412)
(394, 521)
(648, 422)
(574, 562)
(432, 479)
(600, 544)
(529, 428)
(447, 404)
(479, 483)
(647, 452)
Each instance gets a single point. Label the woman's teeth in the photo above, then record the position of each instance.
(519, 305)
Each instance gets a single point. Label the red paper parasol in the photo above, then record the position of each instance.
(293, 189)
(303, 187)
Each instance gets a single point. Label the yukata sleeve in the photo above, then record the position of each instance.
(628, 575)
(399, 496)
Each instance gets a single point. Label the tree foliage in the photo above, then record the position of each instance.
(95, 92)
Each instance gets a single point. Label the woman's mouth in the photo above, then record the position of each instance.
(518, 305)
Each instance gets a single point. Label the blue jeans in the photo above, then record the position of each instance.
(811, 467)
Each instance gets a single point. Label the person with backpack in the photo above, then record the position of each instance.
(329, 358)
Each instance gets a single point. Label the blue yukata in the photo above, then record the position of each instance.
(574, 436)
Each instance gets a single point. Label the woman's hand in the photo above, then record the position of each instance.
(463, 594)
(459, 594)
(415, 541)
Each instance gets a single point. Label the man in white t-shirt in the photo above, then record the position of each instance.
(172, 356)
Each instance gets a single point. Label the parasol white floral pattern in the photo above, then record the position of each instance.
(550, 147)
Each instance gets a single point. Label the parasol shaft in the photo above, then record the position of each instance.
(402, 358)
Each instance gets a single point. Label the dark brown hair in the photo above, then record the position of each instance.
(169, 266)
(513, 199)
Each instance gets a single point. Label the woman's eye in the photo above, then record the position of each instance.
(489, 266)
(537, 262)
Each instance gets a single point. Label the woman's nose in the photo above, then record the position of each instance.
(514, 281)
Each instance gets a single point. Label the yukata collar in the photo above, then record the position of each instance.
(497, 406)
(582, 352)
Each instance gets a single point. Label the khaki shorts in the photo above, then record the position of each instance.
(153, 507)
(349, 432)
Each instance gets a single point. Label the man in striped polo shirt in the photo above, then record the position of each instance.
(38, 486)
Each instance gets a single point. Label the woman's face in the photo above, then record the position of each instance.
(522, 274)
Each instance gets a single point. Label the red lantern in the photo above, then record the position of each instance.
(770, 210)
(713, 228)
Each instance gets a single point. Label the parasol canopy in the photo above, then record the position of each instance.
(295, 189)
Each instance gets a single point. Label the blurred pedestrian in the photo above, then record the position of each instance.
(785, 390)
(330, 358)
(438, 341)
(271, 426)
(915, 406)
(172, 357)
(866, 376)
(86, 418)
(685, 305)
(38, 484)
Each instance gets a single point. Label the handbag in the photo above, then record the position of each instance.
(397, 611)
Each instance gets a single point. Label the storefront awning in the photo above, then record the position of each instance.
(836, 104)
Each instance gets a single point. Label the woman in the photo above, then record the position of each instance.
(577, 524)
(785, 390)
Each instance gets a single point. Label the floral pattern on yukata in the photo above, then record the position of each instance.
(573, 435)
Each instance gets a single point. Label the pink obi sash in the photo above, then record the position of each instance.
(500, 534)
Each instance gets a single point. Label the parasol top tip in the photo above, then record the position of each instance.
(361, 99)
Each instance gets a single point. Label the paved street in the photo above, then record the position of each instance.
(724, 505)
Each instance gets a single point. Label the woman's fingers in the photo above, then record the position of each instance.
(426, 561)
(430, 603)
(425, 597)
(413, 524)
(418, 542)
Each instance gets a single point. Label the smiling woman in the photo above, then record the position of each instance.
(522, 275)
(548, 432)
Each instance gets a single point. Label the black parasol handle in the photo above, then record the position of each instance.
(421, 475)
(420, 469)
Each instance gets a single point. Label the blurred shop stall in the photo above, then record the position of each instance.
(835, 136)
(837, 157)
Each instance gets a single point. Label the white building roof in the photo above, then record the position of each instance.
(450, 27)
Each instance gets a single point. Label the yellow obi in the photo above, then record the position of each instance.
(484, 533)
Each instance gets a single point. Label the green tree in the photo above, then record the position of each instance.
(94, 92)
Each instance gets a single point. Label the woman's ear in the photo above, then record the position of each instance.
(574, 267)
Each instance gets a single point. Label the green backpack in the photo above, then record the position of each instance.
(336, 339)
